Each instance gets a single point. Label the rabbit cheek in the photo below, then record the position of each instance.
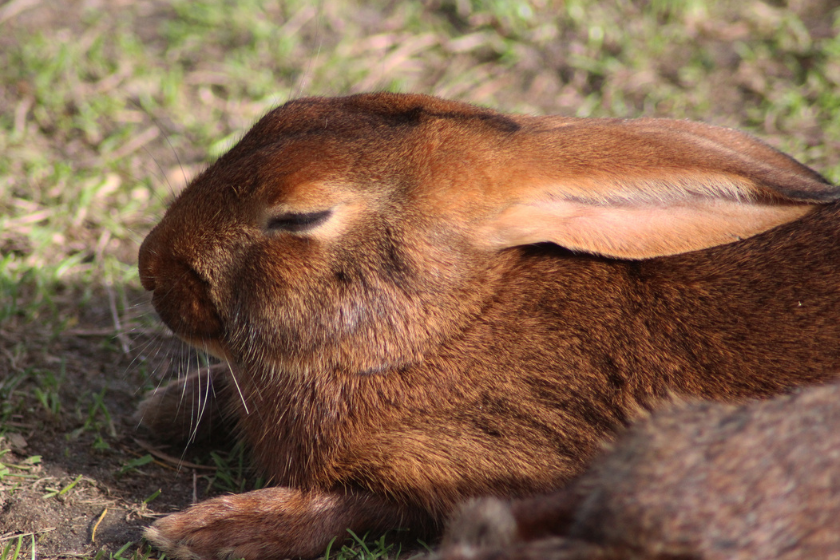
(314, 309)
(274, 306)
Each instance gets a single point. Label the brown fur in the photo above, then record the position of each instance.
(410, 349)
(697, 480)
(188, 409)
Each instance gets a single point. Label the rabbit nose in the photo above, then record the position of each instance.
(180, 295)
(181, 298)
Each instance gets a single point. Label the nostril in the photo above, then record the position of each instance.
(147, 280)
(147, 263)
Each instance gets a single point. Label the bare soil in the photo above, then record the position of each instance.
(105, 509)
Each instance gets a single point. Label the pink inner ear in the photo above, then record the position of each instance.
(633, 230)
(633, 189)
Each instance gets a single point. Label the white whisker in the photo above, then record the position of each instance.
(238, 390)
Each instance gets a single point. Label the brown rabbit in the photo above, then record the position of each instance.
(696, 480)
(421, 301)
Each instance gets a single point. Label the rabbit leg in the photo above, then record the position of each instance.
(494, 523)
(552, 548)
(191, 408)
(276, 523)
(525, 529)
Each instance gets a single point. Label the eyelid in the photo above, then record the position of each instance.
(298, 221)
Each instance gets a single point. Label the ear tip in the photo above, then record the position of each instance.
(819, 192)
(822, 197)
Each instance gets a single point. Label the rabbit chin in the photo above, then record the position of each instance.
(213, 346)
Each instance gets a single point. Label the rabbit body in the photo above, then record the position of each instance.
(695, 480)
(422, 301)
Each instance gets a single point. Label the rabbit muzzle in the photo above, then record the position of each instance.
(180, 295)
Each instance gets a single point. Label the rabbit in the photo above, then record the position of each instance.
(694, 480)
(191, 409)
(419, 301)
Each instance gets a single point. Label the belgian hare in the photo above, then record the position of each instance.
(420, 301)
(696, 480)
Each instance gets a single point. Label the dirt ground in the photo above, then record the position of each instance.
(76, 472)
(105, 509)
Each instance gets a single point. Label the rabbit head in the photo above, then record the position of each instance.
(314, 244)
(356, 233)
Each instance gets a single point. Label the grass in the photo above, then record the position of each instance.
(12, 547)
(97, 132)
(365, 548)
(105, 114)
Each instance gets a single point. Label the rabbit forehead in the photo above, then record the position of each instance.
(372, 142)
(304, 178)
(381, 113)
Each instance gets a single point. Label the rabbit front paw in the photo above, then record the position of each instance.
(264, 524)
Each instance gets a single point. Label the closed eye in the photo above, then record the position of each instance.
(298, 222)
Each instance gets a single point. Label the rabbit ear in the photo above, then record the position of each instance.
(644, 188)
